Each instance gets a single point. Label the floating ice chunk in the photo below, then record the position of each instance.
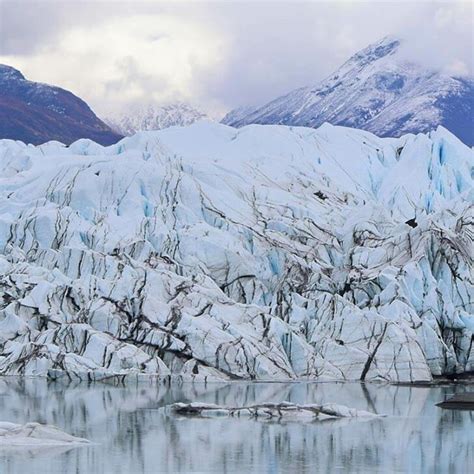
(36, 435)
(270, 411)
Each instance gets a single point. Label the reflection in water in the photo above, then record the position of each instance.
(134, 436)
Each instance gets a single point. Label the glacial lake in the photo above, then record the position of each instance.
(132, 435)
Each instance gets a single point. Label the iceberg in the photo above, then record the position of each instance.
(269, 411)
(35, 435)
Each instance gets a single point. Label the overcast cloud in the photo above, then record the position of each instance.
(216, 55)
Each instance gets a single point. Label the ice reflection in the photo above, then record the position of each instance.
(134, 436)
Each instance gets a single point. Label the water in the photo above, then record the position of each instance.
(133, 435)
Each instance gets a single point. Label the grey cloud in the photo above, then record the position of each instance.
(273, 47)
(132, 77)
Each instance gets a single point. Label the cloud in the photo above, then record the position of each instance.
(216, 55)
(135, 58)
(442, 38)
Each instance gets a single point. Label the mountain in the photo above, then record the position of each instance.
(266, 252)
(36, 113)
(155, 118)
(375, 90)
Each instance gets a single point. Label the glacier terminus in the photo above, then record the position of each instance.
(267, 252)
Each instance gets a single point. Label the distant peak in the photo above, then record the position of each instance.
(8, 72)
(384, 47)
(389, 39)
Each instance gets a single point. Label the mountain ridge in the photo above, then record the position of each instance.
(154, 117)
(35, 113)
(375, 90)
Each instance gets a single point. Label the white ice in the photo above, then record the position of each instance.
(267, 252)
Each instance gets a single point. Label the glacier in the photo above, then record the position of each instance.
(263, 253)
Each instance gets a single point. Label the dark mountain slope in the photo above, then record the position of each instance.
(36, 113)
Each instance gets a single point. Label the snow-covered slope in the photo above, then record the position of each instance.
(376, 90)
(155, 118)
(267, 252)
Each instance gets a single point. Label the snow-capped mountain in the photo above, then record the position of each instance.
(375, 90)
(267, 252)
(155, 118)
(36, 113)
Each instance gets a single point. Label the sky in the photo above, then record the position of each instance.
(217, 55)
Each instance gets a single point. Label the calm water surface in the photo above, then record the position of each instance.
(132, 435)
